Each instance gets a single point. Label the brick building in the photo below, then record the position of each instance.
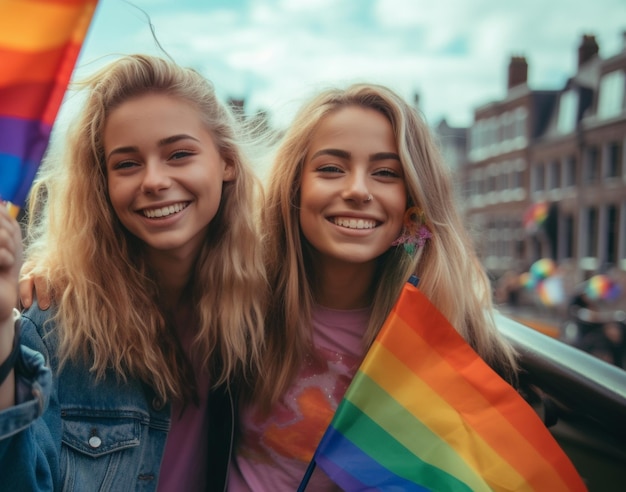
(563, 149)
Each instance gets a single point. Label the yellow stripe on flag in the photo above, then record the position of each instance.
(430, 408)
(402, 425)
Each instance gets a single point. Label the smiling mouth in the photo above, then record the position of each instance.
(352, 223)
(154, 213)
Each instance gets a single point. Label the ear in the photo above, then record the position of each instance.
(230, 172)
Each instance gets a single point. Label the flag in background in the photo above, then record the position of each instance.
(425, 412)
(39, 43)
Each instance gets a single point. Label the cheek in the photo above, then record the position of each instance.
(307, 218)
(399, 207)
(113, 192)
(117, 195)
(314, 194)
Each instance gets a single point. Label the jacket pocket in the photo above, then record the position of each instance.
(95, 437)
(100, 452)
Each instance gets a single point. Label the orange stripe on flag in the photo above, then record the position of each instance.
(19, 67)
(44, 25)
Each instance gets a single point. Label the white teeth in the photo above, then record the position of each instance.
(354, 223)
(164, 211)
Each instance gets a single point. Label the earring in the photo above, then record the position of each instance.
(414, 231)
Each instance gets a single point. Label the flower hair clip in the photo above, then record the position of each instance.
(414, 231)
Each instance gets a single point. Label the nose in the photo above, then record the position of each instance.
(155, 178)
(357, 189)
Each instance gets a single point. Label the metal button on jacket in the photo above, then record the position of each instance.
(95, 442)
(157, 403)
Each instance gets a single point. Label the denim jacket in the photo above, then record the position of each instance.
(72, 433)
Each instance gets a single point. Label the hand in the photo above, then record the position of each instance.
(10, 262)
(29, 285)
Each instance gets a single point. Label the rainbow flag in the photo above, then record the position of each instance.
(425, 412)
(39, 43)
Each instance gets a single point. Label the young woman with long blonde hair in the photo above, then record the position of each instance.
(358, 200)
(143, 226)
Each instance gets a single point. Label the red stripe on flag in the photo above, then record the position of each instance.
(29, 100)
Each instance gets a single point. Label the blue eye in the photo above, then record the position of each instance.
(124, 165)
(387, 173)
(329, 168)
(180, 154)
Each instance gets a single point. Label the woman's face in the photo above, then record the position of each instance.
(164, 172)
(352, 194)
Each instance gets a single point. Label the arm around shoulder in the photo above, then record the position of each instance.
(29, 443)
(9, 351)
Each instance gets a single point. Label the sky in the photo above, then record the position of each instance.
(276, 53)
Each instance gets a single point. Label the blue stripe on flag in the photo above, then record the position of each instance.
(16, 177)
(341, 460)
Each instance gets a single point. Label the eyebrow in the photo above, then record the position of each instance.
(342, 154)
(161, 143)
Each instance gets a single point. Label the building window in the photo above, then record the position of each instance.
(477, 135)
(622, 235)
(554, 175)
(535, 248)
(569, 177)
(591, 246)
(470, 188)
(611, 96)
(481, 184)
(473, 134)
(504, 182)
(568, 106)
(613, 160)
(538, 178)
(518, 174)
(612, 218)
(568, 236)
(520, 123)
(476, 178)
(592, 165)
(507, 127)
(492, 131)
(503, 178)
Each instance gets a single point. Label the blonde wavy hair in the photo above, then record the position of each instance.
(450, 272)
(107, 299)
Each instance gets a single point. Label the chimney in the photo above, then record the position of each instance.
(518, 71)
(587, 50)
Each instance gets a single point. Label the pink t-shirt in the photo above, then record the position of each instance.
(275, 452)
(186, 451)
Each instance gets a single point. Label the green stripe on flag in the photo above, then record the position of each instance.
(366, 434)
(410, 432)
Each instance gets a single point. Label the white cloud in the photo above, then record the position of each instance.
(454, 52)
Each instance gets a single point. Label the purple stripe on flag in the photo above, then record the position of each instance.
(23, 138)
(340, 459)
(339, 475)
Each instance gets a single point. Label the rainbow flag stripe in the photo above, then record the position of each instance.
(39, 43)
(425, 412)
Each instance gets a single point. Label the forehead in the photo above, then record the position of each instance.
(155, 103)
(354, 126)
(154, 114)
